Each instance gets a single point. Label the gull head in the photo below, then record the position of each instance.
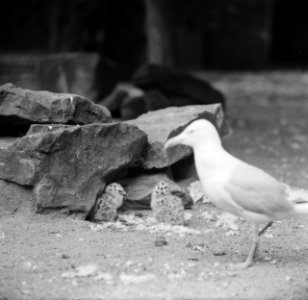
(116, 190)
(161, 188)
(199, 132)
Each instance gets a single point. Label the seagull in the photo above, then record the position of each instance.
(235, 186)
(107, 204)
(167, 208)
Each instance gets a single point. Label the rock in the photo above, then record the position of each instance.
(161, 124)
(219, 253)
(160, 241)
(17, 166)
(176, 84)
(70, 166)
(15, 198)
(139, 187)
(43, 128)
(20, 166)
(20, 108)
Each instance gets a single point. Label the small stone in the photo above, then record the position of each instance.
(274, 261)
(288, 278)
(86, 270)
(189, 245)
(103, 276)
(219, 253)
(136, 279)
(193, 259)
(231, 274)
(160, 241)
(268, 235)
(25, 107)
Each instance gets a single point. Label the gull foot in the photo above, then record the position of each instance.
(241, 266)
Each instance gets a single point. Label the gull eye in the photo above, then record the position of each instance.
(190, 131)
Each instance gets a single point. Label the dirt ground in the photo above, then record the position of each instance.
(57, 258)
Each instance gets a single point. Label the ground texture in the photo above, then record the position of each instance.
(43, 257)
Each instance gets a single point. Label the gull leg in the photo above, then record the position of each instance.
(249, 260)
(265, 228)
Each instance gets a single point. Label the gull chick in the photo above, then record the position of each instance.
(107, 204)
(166, 207)
(235, 186)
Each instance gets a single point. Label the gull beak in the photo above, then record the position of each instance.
(176, 140)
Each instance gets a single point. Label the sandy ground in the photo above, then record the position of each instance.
(45, 257)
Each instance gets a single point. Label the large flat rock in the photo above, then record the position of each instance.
(160, 124)
(68, 167)
(24, 107)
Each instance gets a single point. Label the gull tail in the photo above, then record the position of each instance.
(297, 196)
(301, 209)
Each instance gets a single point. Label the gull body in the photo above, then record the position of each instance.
(235, 186)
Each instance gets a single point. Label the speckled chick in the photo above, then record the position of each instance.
(108, 203)
(166, 207)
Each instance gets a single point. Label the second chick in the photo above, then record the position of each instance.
(167, 208)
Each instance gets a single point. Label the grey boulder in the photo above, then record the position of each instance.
(21, 107)
(161, 124)
(69, 167)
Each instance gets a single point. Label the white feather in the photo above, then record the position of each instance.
(235, 186)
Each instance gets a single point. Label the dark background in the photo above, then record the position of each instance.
(208, 34)
(42, 42)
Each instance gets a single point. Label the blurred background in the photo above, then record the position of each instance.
(87, 47)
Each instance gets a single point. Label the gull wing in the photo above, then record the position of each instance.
(257, 191)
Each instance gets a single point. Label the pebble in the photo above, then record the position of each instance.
(288, 278)
(160, 241)
(219, 253)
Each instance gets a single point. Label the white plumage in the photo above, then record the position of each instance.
(235, 186)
